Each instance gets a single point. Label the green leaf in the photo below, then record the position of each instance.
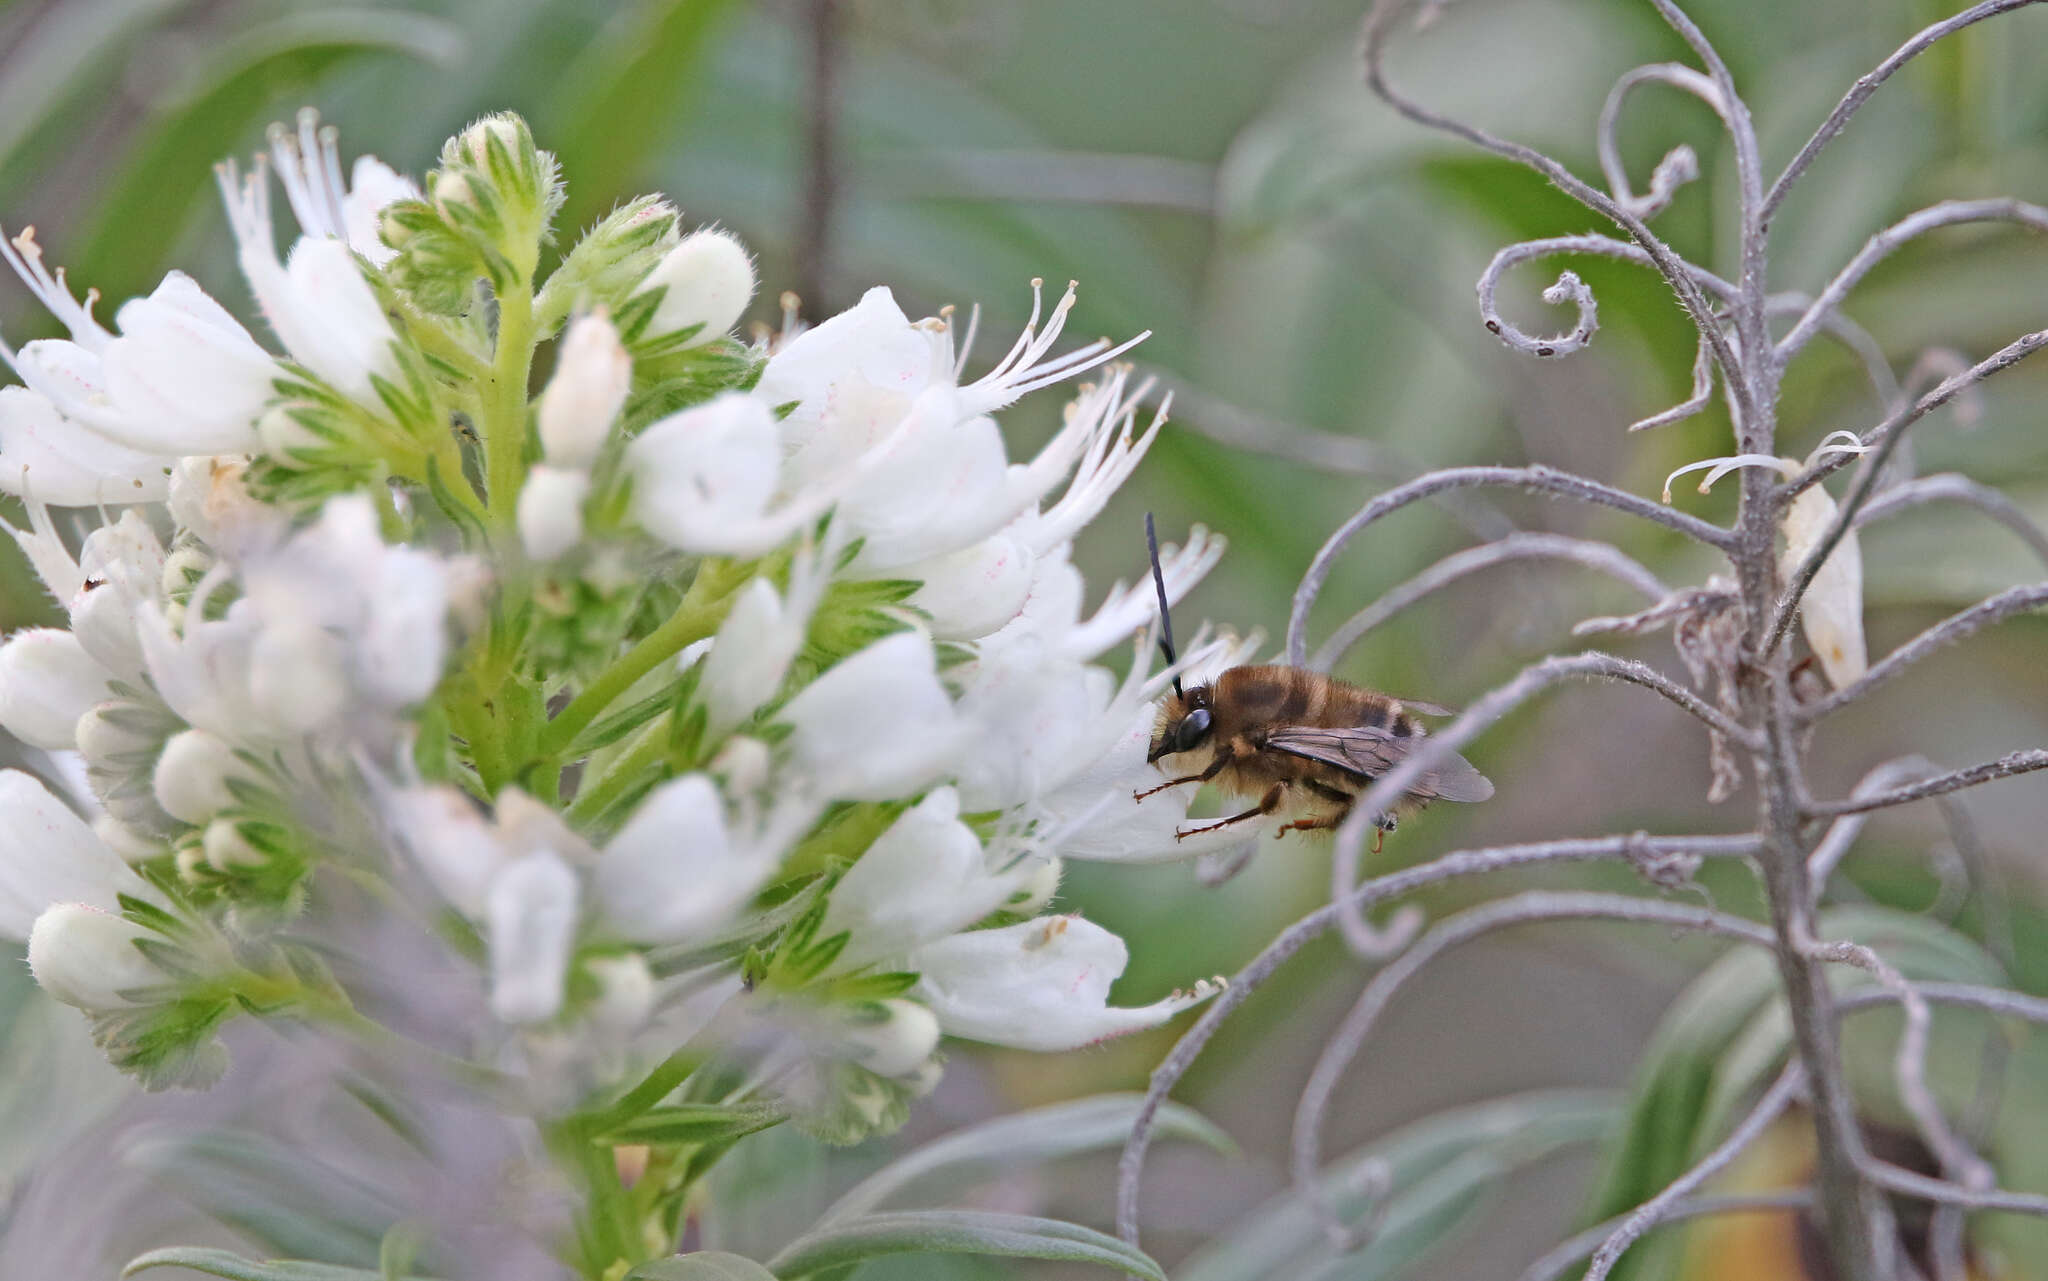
(956, 1232)
(703, 1265)
(694, 1123)
(1011, 1142)
(226, 1263)
(1437, 1172)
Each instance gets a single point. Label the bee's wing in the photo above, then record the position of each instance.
(1370, 752)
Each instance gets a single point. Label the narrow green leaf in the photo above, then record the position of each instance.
(704, 1265)
(234, 1267)
(1437, 1170)
(1011, 1142)
(694, 1123)
(957, 1232)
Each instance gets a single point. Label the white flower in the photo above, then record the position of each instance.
(183, 377)
(759, 639)
(47, 681)
(49, 855)
(531, 922)
(550, 510)
(680, 868)
(210, 499)
(86, 957)
(45, 459)
(589, 386)
(316, 301)
(876, 394)
(454, 844)
(709, 280)
(120, 569)
(309, 166)
(877, 725)
(924, 878)
(705, 478)
(1037, 985)
(976, 590)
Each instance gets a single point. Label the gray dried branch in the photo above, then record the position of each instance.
(1539, 479)
(1882, 439)
(1604, 557)
(1453, 866)
(1679, 165)
(1990, 771)
(1553, 1264)
(1659, 1208)
(1953, 487)
(1868, 83)
(1948, 213)
(2012, 601)
(1520, 909)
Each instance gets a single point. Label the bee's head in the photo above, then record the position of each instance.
(1184, 723)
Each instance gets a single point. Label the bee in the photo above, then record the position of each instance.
(1294, 741)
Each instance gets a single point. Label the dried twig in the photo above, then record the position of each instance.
(1990, 771)
(1951, 487)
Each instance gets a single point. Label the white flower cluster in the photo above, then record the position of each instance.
(753, 710)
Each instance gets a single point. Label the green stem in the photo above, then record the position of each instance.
(596, 795)
(703, 608)
(504, 427)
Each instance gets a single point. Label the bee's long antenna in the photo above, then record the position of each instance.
(1165, 616)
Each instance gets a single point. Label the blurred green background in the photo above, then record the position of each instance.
(1212, 170)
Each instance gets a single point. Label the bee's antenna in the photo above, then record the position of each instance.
(1165, 617)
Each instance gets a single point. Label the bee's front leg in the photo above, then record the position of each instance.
(1223, 758)
(1267, 804)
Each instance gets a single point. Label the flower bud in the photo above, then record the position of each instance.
(87, 957)
(183, 569)
(47, 681)
(298, 675)
(226, 848)
(551, 510)
(896, 1041)
(530, 922)
(505, 129)
(590, 384)
(191, 779)
(131, 845)
(625, 992)
(1831, 614)
(709, 281)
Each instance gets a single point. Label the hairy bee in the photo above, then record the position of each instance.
(1293, 741)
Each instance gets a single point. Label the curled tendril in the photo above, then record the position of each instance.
(1680, 165)
(1568, 288)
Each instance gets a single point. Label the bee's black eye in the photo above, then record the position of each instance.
(1193, 728)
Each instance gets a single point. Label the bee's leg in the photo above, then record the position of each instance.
(1340, 799)
(1223, 758)
(1267, 804)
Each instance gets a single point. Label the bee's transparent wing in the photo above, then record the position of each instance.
(1369, 752)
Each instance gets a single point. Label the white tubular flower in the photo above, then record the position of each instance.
(372, 185)
(923, 879)
(870, 382)
(210, 499)
(679, 869)
(120, 569)
(973, 592)
(49, 855)
(1037, 985)
(316, 301)
(709, 279)
(45, 459)
(182, 378)
(86, 957)
(550, 510)
(588, 388)
(453, 843)
(308, 163)
(48, 681)
(758, 640)
(1831, 612)
(705, 478)
(530, 916)
(877, 726)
